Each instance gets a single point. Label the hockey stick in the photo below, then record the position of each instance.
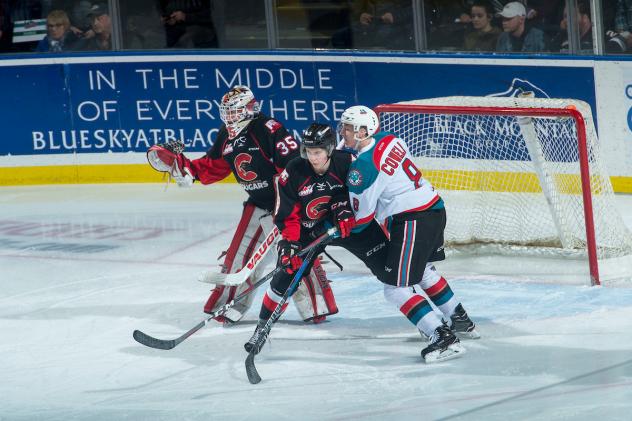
(262, 335)
(166, 344)
(241, 276)
(152, 342)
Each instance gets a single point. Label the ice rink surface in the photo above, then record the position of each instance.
(81, 267)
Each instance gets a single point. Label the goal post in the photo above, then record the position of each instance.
(519, 172)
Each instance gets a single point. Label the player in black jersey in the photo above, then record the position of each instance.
(255, 148)
(311, 197)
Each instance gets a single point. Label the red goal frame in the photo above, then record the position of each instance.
(582, 146)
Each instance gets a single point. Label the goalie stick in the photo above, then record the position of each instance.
(166, 344)
(262, 335)
(241, 276)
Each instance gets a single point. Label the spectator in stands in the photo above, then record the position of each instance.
(383, 24)
(517, 37)
(585, 30)
(532, 12)
(59, 36)
(620, 40)
(188, 24)
(80, 19)
(484, 35)
(101, 24)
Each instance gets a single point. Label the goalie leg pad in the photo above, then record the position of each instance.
(238, 311)
(314, 299)
(247, 236)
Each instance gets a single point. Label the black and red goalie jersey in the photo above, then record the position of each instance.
(255, 156)
(304, 197)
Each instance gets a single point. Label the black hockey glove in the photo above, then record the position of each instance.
(289, 259)
(343, 217)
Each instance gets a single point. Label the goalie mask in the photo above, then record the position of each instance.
(237, 108)
(359, 117)
(318, 136)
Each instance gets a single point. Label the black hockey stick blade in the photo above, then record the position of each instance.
(150, 341)
(251, 370)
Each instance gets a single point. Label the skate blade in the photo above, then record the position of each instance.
(453, 351)
(472, 334)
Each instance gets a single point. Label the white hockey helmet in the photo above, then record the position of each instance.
(237, 107)
(360, 116)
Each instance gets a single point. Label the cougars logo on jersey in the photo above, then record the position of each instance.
(252, 157)
(316, 208)
(241, 164)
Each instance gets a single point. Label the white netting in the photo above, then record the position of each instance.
(509, 179)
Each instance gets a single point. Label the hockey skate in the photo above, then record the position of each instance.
(462, 325)
(424, 337)
(444, 345)
(252, 342)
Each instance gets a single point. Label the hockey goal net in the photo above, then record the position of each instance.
(517, 172)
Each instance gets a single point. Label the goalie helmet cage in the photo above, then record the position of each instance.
(522, 173)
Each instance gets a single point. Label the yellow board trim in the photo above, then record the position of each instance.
(442, 179)
(497, 181)
(83, 174)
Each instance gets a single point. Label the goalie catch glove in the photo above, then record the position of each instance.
(167, 157)
(289, 259)
(183, 176)
(174, 146)
(343, 217)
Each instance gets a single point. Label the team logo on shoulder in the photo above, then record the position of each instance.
(284, 177)
(273, 125)
(354, 177)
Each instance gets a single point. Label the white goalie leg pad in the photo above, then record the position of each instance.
(239, 310)
(248, 234)
(314, 299)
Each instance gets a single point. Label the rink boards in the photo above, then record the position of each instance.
(90, 119)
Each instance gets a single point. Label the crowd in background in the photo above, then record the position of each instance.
(450, 25)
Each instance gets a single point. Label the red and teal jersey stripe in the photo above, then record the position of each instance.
(415, 308)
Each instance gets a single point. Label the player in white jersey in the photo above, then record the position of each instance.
(385, 184)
